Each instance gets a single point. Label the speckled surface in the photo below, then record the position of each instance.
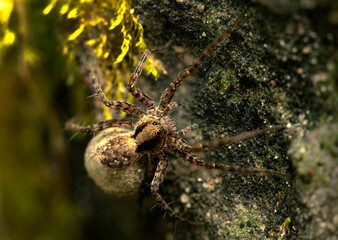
(270, 71)
(316, 164)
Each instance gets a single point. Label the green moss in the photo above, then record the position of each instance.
(225, 84)
(247, 224)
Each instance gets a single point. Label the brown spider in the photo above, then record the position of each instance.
(155, 132)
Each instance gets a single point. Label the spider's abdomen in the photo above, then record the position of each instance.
(113, 164)
(120, 151)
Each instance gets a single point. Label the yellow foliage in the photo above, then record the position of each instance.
(124, 48)
(64, 9)
(49, 7)
(7, 37)
(109, 29)
(6, 7)
(78, 31)
(73, 13)
(92, 41)
(106, 55)
(99, 50)
(119, 17)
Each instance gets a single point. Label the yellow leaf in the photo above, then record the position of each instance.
(64, 9)
(140, 43)
(115, 23)
(106, 113)
(123, 30)
(8, 39)
(91, 42)
(119, 17)
(151, 69)
(124, 48)
(73, 13)
(154, 72)
(77, 32)
(99, 50)
(106, 54)
(49, 7)
(6, 7)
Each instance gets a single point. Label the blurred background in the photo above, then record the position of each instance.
(44, 190)
(35, 192)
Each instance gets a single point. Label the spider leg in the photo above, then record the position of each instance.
(190, 157)
(99, 126)
(186, 130)
(170, 107)
(122, 106)
(230, 140)
(154, 187)
(171, 89)
(140, 96)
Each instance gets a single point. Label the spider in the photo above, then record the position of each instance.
(155, 133)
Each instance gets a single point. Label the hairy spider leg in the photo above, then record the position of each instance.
(121, 106)
(99, 126)
(186, 130)
(171, 89)
(230, 140)
(140, 96)
(169, 108)
(185, 152)
(154, 187)
(190, 157)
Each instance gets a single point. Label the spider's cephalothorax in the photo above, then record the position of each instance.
(114, 153)
(151, 133)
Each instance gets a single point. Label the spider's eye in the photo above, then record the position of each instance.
(158, 131)
(154, 123)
